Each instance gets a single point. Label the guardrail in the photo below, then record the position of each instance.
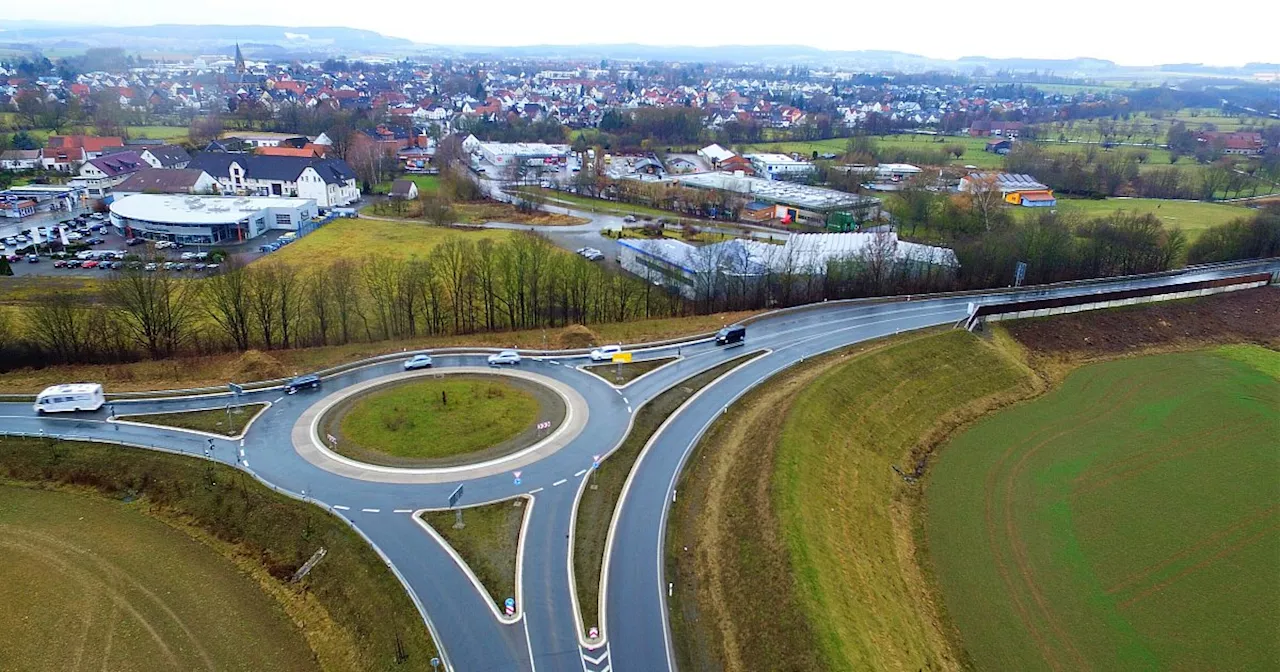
(1013, 310)
(1271, 265)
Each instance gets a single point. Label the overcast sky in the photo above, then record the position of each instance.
(1130, 32)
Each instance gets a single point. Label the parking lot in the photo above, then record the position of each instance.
(147, 252)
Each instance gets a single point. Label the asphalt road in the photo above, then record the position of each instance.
(546, 635)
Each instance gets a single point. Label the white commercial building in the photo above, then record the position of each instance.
(208, 220)
(503, 153)
(778, 166)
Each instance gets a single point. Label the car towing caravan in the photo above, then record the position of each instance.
(70, 397)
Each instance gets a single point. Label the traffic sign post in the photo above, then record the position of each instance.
(509, 606)
(517, 477)
(435, 663)
(453, 501)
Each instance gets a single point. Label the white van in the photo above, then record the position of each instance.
(72, 397)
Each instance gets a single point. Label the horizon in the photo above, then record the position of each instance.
(1130, 37)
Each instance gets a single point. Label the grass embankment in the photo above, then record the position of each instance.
(352, 611)
(488, 542)
(427, 420)
(216, 370)
(596, 507)
(88, 582)
(791, 545)
(360, 238)
(428, 185)
(214, 421)
(472, 212)
(1126, 520)
(621, 374)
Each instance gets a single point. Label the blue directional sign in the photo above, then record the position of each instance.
(595, 461)
(517, 479)
(511, 602)
(457, 494)
(235, 389)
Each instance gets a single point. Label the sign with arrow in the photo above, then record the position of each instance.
(457, 495)
(517, 475)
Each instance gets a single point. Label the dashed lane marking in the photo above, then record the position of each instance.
(372, 510)
(536, 490)
(403, 511)
(628, 408)
(341, 507)
(559, 482)
(626, 401)
(580, 473)
(278, 400)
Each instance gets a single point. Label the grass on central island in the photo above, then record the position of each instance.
(488, 542)
(437, 418)
(213, 420)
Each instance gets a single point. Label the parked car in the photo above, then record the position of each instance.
(73, 263)
(92, 263)
(505, 357)
(59, 264)
(150, 267)
(13, 258)
(211, 267)
(606, 353)
(188, 256)
(629, 219)
(94, 241)
(417, 362)
(197, 267)
(10, 241)
(33, 258)
(309, 381)
(590, 253)
(133, 241)
(179, 266)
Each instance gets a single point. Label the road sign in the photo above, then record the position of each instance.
(595, 461)
(457, 494)
(593, 633)
(235, 389)
(517, 475)
(509, 606)
(1019, 273)
(435, 663)
(333, 440)
(621, 358)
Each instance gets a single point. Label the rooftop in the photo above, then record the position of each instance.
(817, 199)
(199, 209)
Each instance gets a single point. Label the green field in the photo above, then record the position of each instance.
(974, 154)
(364, 237)
(428, 185)
(437, 417)
(92, 583)
(1192, 217)
(1126, 520)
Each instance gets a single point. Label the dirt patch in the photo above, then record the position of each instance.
(551, 406)
(1248, 316)
(576, 336)
(255, 365)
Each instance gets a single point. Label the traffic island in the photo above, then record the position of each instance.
(442, 420)
(623, 373)
(487, 544)
(224, 421)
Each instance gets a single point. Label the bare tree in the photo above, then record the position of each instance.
(156, 309)
(228, 303)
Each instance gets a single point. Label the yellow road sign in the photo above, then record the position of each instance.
(621, 358)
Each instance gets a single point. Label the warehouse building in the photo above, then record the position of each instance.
(789, 202)
(209, 220)
(504, 153)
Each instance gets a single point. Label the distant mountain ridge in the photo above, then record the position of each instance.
(311, 41)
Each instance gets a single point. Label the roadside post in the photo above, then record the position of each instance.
(620, 358)
(517, 477)
(509, 606)
(435, 664)
(595, 466)
(453, 502)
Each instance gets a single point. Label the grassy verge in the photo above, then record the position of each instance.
(791, 545)
(352, 610)
(363, 237)
(595, 509)
(488, 542)
(160, 600)
(216, 370)
(438, 418)
(621, 374)
(214, 421)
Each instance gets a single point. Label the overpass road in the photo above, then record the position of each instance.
(546, 633)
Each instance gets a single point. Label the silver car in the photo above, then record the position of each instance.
(505, 357)
(417, 362)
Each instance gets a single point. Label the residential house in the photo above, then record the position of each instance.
(1001, 147)
(330, 182)
(61, 160)
(167, 181)
(406, 190)
(157, 156)
(93, 145)
(99, 175)
(20, 159)
(715, 154)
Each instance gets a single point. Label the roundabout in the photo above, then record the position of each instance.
(442, 420)
(374, 430)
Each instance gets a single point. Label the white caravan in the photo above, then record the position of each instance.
(72, 397)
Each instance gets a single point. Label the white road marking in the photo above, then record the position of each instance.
(403, 511)
(341, 507)
(618, 391)
(245, 463)
(242, 453)
(278, 400)
(626, 401)
(552, 361)
(559, 482)
(580, 473)
(628, 408)
(536, 491)
(372, 510)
